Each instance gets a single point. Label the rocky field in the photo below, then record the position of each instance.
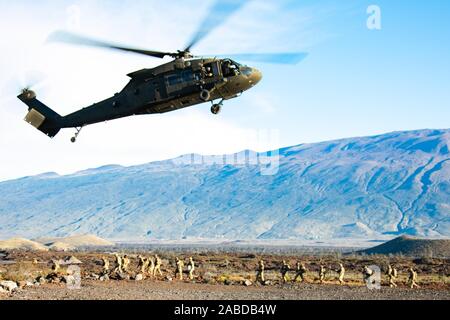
(217, 276)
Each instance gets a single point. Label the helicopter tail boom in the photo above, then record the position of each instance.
(40, 116)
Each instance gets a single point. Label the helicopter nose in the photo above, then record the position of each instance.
(255, 76)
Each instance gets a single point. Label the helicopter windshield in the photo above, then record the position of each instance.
(230, 68)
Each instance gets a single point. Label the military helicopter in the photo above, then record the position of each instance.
(185, 81)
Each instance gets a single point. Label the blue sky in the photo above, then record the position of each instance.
(355, 81)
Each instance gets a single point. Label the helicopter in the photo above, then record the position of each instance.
(185, 81)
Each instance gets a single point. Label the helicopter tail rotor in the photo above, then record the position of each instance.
(39, 115)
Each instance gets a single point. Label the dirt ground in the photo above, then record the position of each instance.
(149, 290)
(222, 277)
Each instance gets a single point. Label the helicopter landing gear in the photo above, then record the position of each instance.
(217, 107)
(74, 138)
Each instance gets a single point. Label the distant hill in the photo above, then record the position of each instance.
(368, 188)
(54, 244)
(21, 244)
(74, 242)
(413, 247)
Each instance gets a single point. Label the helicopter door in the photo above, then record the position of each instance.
(212, 70)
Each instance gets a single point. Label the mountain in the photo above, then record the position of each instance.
(371, 187)
(413, 247)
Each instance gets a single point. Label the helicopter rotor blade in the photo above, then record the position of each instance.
(218, 14)
(291, 58)
(70, 38)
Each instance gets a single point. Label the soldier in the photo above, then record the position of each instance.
(118, 263)
(191, 268)
(392, 276)
(301, 272)
(260, 274)
(55, 266)
(145, 266)
(158, 264)
(413, 279)
(126, 264)
(367, 273)
(284, 270)
(142, 264)
(180, 266)
(151, 268)
(341, 273)
(105, 264)
(322, 272)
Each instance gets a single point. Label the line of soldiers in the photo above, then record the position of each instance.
(147, 266)
(392, 275)
(152, 266)
(301, 272)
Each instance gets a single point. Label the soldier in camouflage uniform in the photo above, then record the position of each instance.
(284, 270)
(412, 280)
(322, 272)
(341, 272)
(260, 273)
(158, 263)
(301, 272)
(142, 264)
(55, 266)
(179, 271)
(126, 264)
(191, 268)
(151, 268)
(367, 274)
(118, 264)
(392, 276)
(105, 265)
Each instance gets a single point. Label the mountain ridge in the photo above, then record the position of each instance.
(367, 187)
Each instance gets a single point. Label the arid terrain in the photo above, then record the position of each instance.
(221, 276)
(159, 290)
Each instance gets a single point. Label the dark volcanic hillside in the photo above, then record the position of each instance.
(392, 184)
(413, 247)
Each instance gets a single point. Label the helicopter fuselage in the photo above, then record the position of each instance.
(170, 87)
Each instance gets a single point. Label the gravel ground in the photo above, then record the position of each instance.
(150, 290)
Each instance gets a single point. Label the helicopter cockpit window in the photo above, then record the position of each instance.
(230, 68)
